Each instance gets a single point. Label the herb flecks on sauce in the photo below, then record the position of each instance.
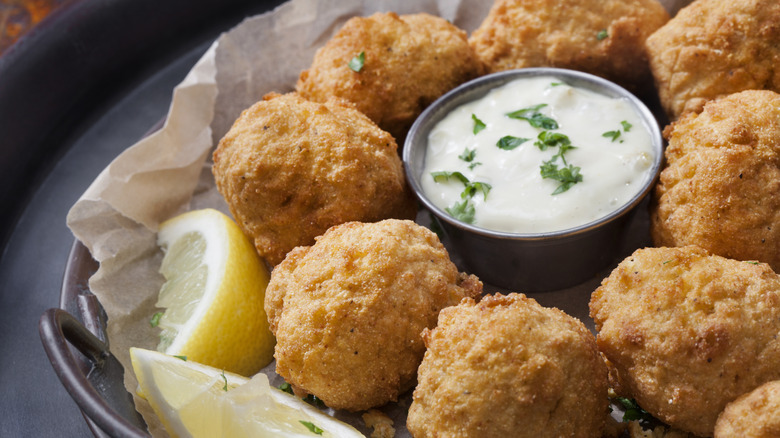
(464, 210)
(532, 115)
(478, 124)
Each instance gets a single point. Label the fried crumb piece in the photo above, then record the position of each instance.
(381, 423)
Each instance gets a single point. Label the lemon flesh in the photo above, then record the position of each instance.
(195, 400)
(213, 294)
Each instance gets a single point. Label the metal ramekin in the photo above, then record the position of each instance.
(530, 262)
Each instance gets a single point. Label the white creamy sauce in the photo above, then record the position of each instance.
(519, 199)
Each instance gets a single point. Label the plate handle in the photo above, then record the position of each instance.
(59, 329)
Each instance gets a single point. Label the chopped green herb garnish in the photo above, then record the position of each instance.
(444, 176)
(626, 126)
(548, 139)
(468, 155)
(555, 84)
(312, 428)
(567, 176)
(665, 262)
(752, 262)
(286, 387)
(509, 142)
(534, 117)
(612, 135)
(155, 321)
(602, 34)
(632, 411)
(356, 63)
(225, 379)
(184, 358)
(472, 189)
(463, 211)
(314, 401)
(473, 165)
(478, 124)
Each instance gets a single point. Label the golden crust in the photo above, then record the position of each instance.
(721, 186)
(713, 48)
(535, 33)
(507, 366)
(686, 332)
(289, 169)
(348, 312)
(753, 415)
(410, 61)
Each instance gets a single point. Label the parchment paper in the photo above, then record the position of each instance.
(169, 172)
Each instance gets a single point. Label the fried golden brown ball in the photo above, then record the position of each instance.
(720, 189)
(508, 367)
(713, 48)
(349, 311)
(289, 169)
(409, 61)
(753, 415)
(602, 37)
(686, 332)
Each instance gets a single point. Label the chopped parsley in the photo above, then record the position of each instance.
(468, 155)
(547, 139)
(509, 142)
(478, 124)
(356, 63)
(473, 187)
(632, 411)
(155, 321)
(555, 84)
(445, 176)
(463, 211)
(225, 379)
(567, 176)
(534, 117)
(286, 387)
(314, 401)
(612, 135)
(312, 427)
(184, 358)
(602, 34)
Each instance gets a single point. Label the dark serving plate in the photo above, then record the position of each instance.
(84, 85)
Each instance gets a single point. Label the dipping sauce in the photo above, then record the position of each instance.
(537, 155)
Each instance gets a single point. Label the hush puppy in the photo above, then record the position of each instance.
(712, 48)
(289, 169)
(602, 37)
(753, 415)
(408, 61)
(348, 312)
(720, 189)
(508, 367)
(686, 332)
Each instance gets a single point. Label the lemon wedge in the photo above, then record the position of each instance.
(213, 294)
(195, 400)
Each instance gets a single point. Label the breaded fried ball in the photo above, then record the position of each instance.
(289, 169)
(349, 311)
(720, 189)
(753, 415)
(601, 37)
(686, 332)
(713, 48)
(409, 61)
(508, 367)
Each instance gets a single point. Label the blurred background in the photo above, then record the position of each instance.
(17, 17)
